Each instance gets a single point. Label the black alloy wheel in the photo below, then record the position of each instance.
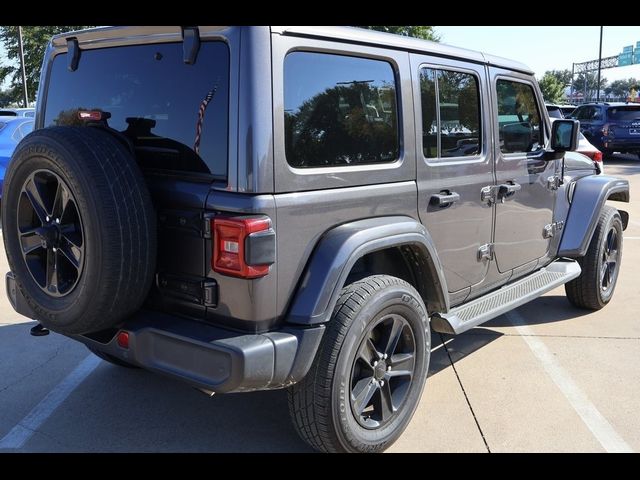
(51, 233)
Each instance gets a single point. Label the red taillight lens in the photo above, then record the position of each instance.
(229, 255)
(597, 156)
(123, 339)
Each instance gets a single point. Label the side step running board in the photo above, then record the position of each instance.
(491, 305)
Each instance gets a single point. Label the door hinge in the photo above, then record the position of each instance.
(553, 182)
(485, 252)
(489, 194)
(551, 229)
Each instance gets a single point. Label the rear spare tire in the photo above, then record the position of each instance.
(78, 228)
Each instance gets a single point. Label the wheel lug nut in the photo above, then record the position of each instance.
(382, 383)
(389, 368)
(375, 364)
(55, 249)
(57, 220)
(384, 357)
(48, 218)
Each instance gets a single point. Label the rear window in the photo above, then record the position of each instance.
(8, 113)
(176, 114)
(624, 114)
(339, 110)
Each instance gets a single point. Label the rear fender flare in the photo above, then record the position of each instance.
(340, 248)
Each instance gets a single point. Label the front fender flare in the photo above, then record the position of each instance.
(589, 195)
(338, 251)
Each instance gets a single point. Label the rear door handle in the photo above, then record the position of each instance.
(507, 190)
(444, 199)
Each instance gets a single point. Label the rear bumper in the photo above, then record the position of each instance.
(622, 145)
(213, 358)
(204, 356)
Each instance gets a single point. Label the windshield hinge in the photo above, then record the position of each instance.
(73, 54)
(190, 44)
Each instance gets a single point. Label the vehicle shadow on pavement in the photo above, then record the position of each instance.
(546, 309)
(448, 349)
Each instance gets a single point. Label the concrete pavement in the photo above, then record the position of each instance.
(494, 388)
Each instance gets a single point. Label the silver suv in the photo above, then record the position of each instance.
(251, 208)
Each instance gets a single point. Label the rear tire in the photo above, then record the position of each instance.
(594, 288)
(363, 388)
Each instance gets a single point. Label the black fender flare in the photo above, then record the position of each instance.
(587, 197)
(340, 248)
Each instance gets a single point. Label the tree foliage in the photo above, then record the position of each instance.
(622, 88)
(591, 81)
(552, 88)
(423, 32)
(35, 41)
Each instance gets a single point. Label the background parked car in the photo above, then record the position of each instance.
(611, 127)
(12, 130)
(18, 112)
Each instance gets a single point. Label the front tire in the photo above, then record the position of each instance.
(593, 289)
(369, 372)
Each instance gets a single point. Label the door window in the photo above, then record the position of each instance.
(518, 118)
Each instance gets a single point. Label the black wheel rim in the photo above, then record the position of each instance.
(609, 264)
(50, 232)
(382, 371)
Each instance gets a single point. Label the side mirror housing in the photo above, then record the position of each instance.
(564, 135)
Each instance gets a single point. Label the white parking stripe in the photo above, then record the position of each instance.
(23, 431)
(590, 415)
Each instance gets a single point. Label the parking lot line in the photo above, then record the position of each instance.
(604, 432)
(23, 431)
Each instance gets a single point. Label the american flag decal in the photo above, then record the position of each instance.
(201, 110)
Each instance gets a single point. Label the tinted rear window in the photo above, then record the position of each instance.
(8, 113)
(623, 114)
(154, 98)
(339, 110)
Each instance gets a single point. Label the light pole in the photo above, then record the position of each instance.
(24, 76)
(599, 65)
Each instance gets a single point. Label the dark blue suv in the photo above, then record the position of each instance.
(611, 127)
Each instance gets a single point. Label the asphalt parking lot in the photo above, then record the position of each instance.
(545, 378)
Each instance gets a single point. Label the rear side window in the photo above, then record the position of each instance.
(339, 110)
(518, 117)
(624, 114)
(458, 105)
(175, 114)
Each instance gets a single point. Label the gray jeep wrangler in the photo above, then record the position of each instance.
(252, 208)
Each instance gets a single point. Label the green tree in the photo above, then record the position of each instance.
(35, 41)
(621, 88)
(591, 80)
(563, 76)
(9, 97)
(552, 88)
(426, 33)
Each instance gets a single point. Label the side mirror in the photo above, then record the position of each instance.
(517, 136)
(564, 135)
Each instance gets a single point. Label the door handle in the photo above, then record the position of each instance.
(444, 199)
(507, 190)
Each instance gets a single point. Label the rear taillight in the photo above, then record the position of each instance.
(597, 156)
(242, 247)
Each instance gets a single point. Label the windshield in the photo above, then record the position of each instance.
(624, 113)
(175, 114)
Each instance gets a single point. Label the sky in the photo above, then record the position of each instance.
(547, 48)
